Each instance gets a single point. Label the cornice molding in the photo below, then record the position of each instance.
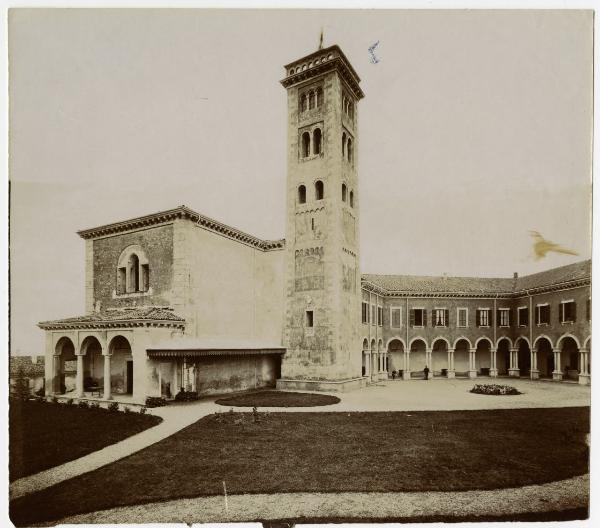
(184, 213)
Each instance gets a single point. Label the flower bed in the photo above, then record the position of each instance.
(494, 390)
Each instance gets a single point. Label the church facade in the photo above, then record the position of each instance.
(176, 300)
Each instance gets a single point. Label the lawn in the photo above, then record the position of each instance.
(44, 435)
(328, 452)
(278, 399)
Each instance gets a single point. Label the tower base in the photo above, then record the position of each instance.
(322, 385)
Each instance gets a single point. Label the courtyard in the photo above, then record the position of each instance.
(394, 437)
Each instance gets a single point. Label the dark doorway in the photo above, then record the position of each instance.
(277, 367)
(129, 377)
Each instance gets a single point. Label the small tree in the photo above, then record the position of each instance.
(21, 390)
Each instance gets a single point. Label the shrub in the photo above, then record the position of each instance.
(21, 390)
(186, 396)
(54, 399)
(83, 404)
(143, 409)
(69, 401)
(40, 392)
(94, 405)
(155, 401)
(494, 389)
(126, 410)
(113, 407)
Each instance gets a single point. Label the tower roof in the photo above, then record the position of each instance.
(319, 62)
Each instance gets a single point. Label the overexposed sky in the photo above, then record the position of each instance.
(476, 127)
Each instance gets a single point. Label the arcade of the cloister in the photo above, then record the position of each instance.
(566, 359)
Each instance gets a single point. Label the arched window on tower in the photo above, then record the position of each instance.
(311, 100)
(319, 97)
(134, 273)
(344, 190)
(317, 141)
(305, 145)
(351, 198)
(303, 103)
(349, 148)
(301, 194)
(319, 190)
(344, 145)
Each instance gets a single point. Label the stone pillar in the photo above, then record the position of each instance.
(79, 376)
(493, 364)
(107, 392)
(451, 371)
(514, 363)
(56, 377)
(534, 372)
(472, 369)
(429, 363)
(584, 375)
(406, 373)
(557, 372)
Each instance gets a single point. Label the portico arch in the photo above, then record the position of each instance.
(64, 366)
(121, 366)
(483, 355)
(523, 356)
(503, 346)
(93, 363)
(395, 348)
(439, 356)
(568, 347)
(365, 357)
(418, 354)
(545, 356)
(461, 356)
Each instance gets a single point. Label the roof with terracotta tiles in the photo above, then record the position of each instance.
(571, 273)
(125, 315)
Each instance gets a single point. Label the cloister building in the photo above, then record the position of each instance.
(176, 300)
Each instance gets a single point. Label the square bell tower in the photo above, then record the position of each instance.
(322, 317)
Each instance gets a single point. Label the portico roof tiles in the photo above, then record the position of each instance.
(148, 313)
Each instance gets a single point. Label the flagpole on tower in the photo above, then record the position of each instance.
(321, 40)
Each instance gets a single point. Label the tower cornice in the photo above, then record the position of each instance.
(320, 62)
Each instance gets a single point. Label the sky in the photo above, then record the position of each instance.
(476, 128)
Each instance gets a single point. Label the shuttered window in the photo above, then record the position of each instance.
(523, 316)
(504, 317)
(396, 317)
(542, 314)
(462, 317)
(439, 317)
(365, 312)
(418, 317)
(568, 312)
(483, 317)
(380, 315)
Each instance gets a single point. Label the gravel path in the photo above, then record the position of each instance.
(554, 496)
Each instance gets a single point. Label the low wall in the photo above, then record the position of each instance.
(322, 385)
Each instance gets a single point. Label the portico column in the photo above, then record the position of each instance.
(584, 375)
(107, 393)
(494, 368)
(534, 372)
(79, 376)
(406, 373)
(514, 363)
(429, 363)
(56, 377)
(557, 373)
(472, 369)
(451, 372)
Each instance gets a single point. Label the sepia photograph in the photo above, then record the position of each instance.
(299, 266)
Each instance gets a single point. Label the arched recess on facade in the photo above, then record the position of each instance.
(65, 366)
(462, 347)
(587, 345)
(395, 348)
(503, 346)
(93, 363)
(439, 356)
(544, 352)
(133, 270)
(523, 355)
(483, 355)
(569, 347)
(121, 365)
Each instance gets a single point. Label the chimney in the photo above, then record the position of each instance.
(515, 275)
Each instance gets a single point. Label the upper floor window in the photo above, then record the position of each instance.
(523, 315)
(350, 151)
(380, 315)
(351, 198)
(504, 317)
(462, 317)
(311, 99)
(344, 191)
(542, 314)
(418, 317)
(483, 317)
(344, 140)
(373, 314)
(440, 317)
(305, 145)
(319, 190)
(302, 194)
(588, 309)
(365, 312)
(133, 271)
(317, 141)
(396, 317)
(568, 311)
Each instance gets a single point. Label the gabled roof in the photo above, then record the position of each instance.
(182, 212)
(569, 275)
(148, 315)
